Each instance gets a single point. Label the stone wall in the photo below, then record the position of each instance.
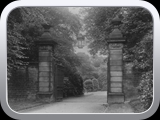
(131, 81)
(23, 84)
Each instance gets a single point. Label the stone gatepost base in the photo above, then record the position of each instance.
(45, 97)
(116, 98)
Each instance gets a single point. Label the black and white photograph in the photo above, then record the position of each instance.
(84, 60)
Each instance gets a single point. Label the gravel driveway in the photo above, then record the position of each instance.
(91, 102)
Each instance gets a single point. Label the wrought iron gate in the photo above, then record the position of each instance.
(58, 82)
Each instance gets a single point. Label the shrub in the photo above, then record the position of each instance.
(102, 79)
(73, 85)
(88, 85)
(146, 89)
(95, 84)
(104, 87)
(130, 91)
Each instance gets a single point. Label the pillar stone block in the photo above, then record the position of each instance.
(115, 81)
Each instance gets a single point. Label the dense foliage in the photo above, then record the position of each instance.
(103, 80)
(73, 85)
(93, 67)
(98, 27)
(88, 85)
(139, 33)
(137, 28)
(86, 69)
(24, 27)
(95, 84)
(146, 89)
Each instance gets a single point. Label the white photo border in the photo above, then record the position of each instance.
(81, 3)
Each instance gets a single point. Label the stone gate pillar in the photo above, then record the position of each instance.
(115, 65)
(46, 46)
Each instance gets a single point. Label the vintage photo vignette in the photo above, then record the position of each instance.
(19, 3)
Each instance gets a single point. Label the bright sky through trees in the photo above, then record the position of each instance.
(74, 10)
(85, 49)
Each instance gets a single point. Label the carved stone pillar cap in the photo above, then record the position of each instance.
(116, 21)
(46, 27)
(116, 33)
(46, 38)
(46, 34)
